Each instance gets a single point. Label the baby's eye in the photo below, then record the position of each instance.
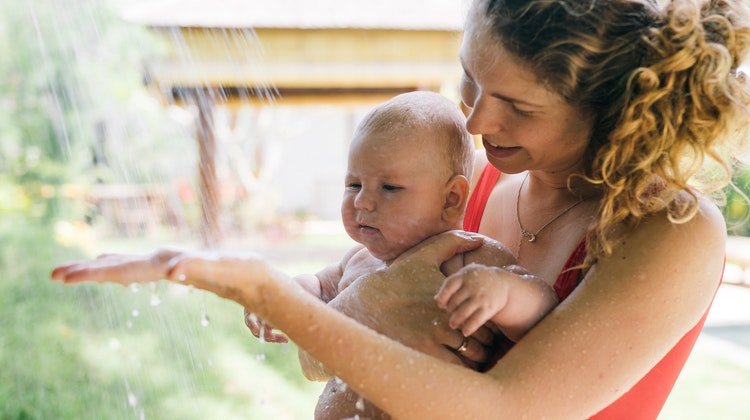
(522, 112)
(389, 187)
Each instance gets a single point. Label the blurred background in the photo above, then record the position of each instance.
(126, 125)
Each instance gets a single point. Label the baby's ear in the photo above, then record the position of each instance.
(456, 194)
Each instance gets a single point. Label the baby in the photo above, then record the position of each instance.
(407, 180)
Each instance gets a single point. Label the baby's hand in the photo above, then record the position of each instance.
(263, 330)
(472, 296)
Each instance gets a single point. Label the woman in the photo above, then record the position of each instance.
(597, 114)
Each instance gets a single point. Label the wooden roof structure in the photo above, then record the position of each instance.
(292, 51)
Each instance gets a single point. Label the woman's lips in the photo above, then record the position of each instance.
(500, 152)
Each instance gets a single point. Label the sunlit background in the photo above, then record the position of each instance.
(126, 125)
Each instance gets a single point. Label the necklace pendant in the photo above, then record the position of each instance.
(528, 235)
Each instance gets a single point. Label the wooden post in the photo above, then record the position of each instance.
(211, 235)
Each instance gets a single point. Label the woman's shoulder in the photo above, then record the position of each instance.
(706, 227)
(661, 255)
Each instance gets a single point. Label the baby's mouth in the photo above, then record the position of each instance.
(367, 229)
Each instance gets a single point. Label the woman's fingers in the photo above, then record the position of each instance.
(117, 268)
(474, 351)
(484, 335)
(442, 247)
(110, 269)
(516, 269)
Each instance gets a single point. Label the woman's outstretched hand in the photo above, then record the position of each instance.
(236, 276)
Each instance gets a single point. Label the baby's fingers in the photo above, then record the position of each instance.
(271, 336)
(461, 314)
(263, 330)
(474, 321)
(252, 323)
(450, 286)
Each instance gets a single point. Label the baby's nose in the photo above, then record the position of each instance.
(365, 201)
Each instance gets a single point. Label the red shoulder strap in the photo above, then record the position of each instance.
(479, 197)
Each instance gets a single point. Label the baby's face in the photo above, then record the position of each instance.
(395, 192)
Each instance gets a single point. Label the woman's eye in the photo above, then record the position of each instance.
(353, 186)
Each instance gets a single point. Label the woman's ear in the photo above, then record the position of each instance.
(456, 194)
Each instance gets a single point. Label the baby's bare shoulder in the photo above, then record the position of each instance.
(360, 263)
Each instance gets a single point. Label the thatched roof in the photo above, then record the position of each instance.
(310, 14)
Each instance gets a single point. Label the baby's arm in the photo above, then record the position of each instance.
(492, 288)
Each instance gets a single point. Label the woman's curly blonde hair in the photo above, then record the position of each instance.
(662, 84)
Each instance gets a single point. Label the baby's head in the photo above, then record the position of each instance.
(409, 165)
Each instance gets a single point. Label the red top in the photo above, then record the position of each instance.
(646, 398)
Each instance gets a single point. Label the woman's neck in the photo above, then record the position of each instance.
(558, 187)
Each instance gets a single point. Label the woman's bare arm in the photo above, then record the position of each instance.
(629, 311)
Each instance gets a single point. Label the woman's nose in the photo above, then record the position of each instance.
(482, 120)
(364, 201)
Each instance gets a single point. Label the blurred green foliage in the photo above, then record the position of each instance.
(94, 351)
(737, 209)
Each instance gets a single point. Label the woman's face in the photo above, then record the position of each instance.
(524, 125)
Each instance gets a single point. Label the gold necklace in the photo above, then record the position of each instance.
(529, 236)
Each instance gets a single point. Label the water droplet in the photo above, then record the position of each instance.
(252, 318)
(261, 357)
(360, 404)
(129, 324)
(340, 384)
(435, 322)
(262, 333)
(204, 320)
(210, 362)
(135, 313)
(155, 301)
(181, 277)
(134, 287)
(132, 399)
